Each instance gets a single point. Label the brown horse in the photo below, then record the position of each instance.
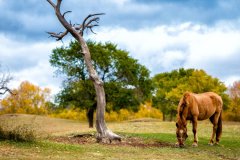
(196, 107)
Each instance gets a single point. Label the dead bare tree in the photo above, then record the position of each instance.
(77, 31)
(4, 80)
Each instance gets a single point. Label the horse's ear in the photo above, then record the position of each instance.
(186, 97)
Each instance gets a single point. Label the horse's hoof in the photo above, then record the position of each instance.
(210, 144)
(194, 144)
(216, 143)
(177, 145)
(181, 146)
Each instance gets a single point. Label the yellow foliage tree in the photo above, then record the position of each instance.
(29, 99)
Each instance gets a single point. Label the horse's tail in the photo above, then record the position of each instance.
(219, 128)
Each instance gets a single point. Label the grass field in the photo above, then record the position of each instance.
(153, 139)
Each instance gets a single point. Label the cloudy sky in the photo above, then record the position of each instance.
(162, 34)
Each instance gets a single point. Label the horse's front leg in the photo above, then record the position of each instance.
(194, 129)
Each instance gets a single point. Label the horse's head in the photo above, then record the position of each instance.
(181, 133)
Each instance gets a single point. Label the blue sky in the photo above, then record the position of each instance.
(162, 34)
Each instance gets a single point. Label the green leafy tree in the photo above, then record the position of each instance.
(169, 88)
(126, 82)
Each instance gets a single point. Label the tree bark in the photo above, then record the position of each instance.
(164, 117)
(90, 114)
(171, 116)
(103, 133)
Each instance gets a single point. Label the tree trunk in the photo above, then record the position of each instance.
(103, 133)
(164, 117)
(171, 116)
(90, 114)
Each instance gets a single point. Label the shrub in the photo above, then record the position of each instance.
(146, 111)
(23, 132)
(229, 116)
(71, 113)
(125, 114)
(111, 116)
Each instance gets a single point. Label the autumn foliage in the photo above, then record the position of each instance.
(145, 111)
(28, 99)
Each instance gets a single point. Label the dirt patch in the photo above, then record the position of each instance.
(145, 120)
(126, 141)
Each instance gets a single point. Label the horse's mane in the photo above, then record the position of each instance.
(182, 106)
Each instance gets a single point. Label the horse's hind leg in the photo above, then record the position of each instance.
(214, 119)
(194, 129)
(219, 129)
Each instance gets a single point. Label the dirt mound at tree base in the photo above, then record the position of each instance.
(126, 141)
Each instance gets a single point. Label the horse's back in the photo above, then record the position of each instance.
(208, 104)
(210, 97)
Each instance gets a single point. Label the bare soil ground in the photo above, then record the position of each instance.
(126, 141)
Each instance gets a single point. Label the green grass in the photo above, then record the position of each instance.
(229, 147)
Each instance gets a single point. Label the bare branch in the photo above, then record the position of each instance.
(95, 19)
(88, 23)
(4, 80)
(58, 5)
(91, 15)
(52, 4)
(77, 27)
(92, 31)
(66, 13)
(58, 36)
(5, 90)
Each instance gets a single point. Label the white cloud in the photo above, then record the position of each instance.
(171, 59)
(163, 48)
(41, 75)
(228, 81)
(118, 2)
(29, 61)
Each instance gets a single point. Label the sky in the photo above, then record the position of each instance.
(163, 35)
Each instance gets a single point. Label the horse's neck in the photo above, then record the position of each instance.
(184, 113)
